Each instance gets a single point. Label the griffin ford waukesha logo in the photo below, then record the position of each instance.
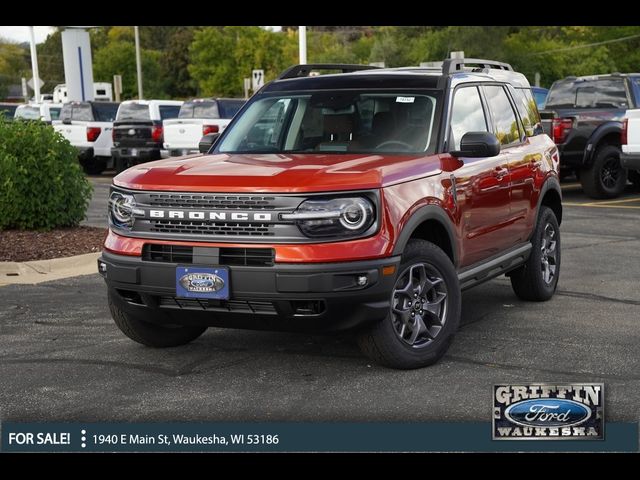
(572, 411)
(202, 282)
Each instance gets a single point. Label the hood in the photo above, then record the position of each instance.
(277, 173)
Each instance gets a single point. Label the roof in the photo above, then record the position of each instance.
(597, 77)
(150, 102)
(362, 76)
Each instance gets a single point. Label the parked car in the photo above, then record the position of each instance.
(137, 132)
(364, 200)
(583, 115)
(540, 96)
(8, 110)
(88, 126)
(197, 118)
(630, 157)
(45, 112)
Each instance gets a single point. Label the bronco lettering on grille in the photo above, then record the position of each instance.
(213, 216)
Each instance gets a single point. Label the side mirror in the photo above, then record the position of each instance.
(478, 144)
(207, 141)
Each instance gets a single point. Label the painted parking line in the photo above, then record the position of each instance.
(599, 205)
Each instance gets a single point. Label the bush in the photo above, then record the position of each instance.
(41, 183)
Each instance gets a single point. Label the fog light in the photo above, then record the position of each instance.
(102, 267)
(362, 280)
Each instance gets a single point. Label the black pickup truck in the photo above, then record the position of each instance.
(583, 116)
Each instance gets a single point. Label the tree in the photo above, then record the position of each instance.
(51, 62)
(219, 59)
(119, 58)
(13, 65)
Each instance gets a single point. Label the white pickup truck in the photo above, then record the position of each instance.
(197, 118)
(88, 127)
(630, 156)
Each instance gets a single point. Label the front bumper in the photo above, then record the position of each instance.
(290, 297)
(630, 161)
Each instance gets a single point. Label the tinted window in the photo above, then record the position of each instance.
(8, 111)
(54, 113)
(228, 108)
(527, 109)
(105, 112)
(133, 111)
(467, 115)
(505, 123)
(169, 111)
(336, 121)
(199, 110)
(600, 93)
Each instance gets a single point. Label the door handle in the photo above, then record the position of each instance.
(500, 172)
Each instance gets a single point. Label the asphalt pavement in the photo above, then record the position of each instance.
(62, 357)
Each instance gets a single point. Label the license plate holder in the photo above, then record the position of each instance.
(202, 282)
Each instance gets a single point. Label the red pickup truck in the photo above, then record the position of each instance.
(364, 200)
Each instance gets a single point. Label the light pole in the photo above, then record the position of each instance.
(138, 62)
(302, 44)
(34, 66)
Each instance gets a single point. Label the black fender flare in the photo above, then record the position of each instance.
(421, 215)
(551, 183)
(595, 138)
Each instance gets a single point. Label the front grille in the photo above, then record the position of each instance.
(247, 257)
(212, 228)
(249, 202)
(232, 306)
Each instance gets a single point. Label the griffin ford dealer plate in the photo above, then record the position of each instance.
(201, 282)
(539, 411)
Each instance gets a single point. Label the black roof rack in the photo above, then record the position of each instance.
(454, 65)
(304, 70)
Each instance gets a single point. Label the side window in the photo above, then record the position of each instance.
(504, 118)
(528, 110)
(467, 115)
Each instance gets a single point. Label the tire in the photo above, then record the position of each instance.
(605, 178)
(94, 166)
(382, 341)
(121, 164)
(151, 334)
(530, 281)
(634, 177)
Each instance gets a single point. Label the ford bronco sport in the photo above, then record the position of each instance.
(363, 200)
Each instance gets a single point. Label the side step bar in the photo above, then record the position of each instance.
(478, 273)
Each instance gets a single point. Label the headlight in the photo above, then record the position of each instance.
(121, 208)
(334, 217)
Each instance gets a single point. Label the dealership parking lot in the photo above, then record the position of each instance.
(63, 358)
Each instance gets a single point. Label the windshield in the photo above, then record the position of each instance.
(336, 121)
(133, 111)
(54, 113)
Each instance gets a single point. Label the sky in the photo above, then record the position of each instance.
(21, 34)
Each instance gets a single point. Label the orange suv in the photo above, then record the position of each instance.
(365, 200)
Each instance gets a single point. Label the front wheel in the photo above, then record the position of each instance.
(424, 311)
(152, 334)
(537, 279)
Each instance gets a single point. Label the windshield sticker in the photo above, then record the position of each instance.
(405, 99)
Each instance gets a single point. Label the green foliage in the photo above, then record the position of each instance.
(119, 58)
(13, 64)
(221, 57)
(50, 62)
(41, 183)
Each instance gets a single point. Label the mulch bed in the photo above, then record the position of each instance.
(24, 245)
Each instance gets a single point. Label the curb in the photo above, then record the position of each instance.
(38, 271)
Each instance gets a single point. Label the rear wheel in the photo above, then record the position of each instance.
(153, 334)
(424, 313)
(634, 176)
(605, 178)
(94, 165)
(537, 279)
